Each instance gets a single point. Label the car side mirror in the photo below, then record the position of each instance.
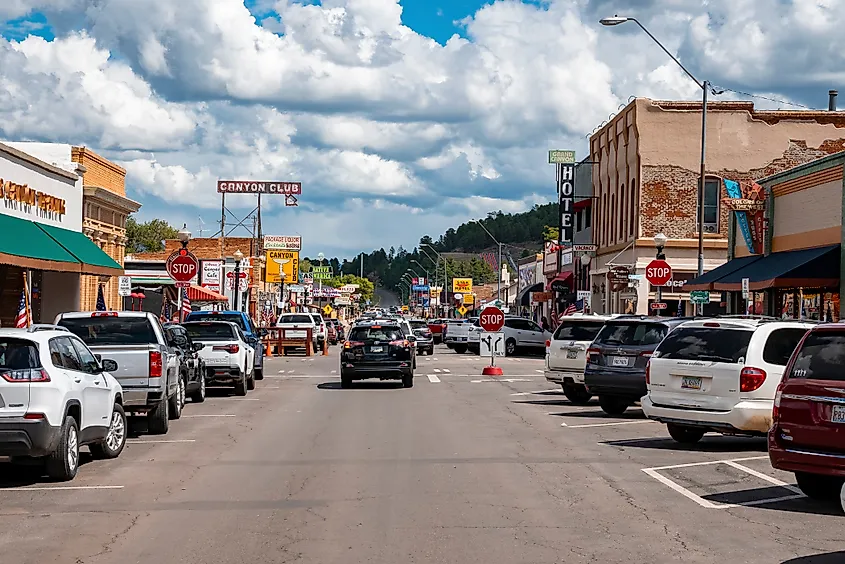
(198, 346)
(108, 365)
(412, 338)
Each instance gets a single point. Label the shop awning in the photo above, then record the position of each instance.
(92, 258)
(200, 294)
(562, 277)
(706, 280)
(524, 297)
(805, 268)
(26, 245)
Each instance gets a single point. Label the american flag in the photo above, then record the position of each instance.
(165, 308)
(490, 258)
(101, 299)
(186, 305)
(22, 319)
(570, 309)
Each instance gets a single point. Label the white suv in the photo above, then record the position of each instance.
(228, 358)
(566, 354)
(719, 375)
(56, 396)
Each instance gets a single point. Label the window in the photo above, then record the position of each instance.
(111, 330)
(577, 331)
(61, 350)
(296, 318)
(376, 333)
(623, 200)
(632, 334)
(18, 354)
(578, 220)
(707, 344)
(712, 187)
(633, 208)
(821, 357)
(235, 318)
(781, 344)
(89, 363)
(208, 331)
(588, 217)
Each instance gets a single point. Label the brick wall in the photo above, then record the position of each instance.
(100, 171)
(204, 248)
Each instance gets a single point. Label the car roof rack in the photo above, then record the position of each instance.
(36, 327)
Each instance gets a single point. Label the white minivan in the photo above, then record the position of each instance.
(719, 375)
(566, 354)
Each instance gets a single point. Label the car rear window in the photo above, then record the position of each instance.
(578, 330)
(632, 334)
(111, 330)
(213, 316)
(419, 325)
(293, 318)
(377, 333)
(208, 331)
(705, 343)
(18, 354)
(781, 344)
(821, 357)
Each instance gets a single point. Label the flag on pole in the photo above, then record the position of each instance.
(186, 305)
(101, 299)
(22, 320)
(570, 309)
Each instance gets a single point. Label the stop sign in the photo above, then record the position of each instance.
(658, 272)
(491, 319)
(182, 265)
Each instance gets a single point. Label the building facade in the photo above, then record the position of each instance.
(646, 182)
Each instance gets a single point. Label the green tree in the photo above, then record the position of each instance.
(366, 287)
(304, 265)
(550, 233)
(147, 237)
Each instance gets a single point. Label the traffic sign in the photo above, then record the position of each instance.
(243, 283)
(492, 344)
(124, 286)
(658, 272)
(182, 265)
(491, 319)
(745, 288)
(462, 310)
(659, 305)
(328, 309)
(699, 297)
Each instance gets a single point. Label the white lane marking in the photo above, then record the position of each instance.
(501, 380)
(540, 371)
(433, 379)
(437, 370)
(435, 358)
(271, 387)
(280, 371)
(607, 424)
(707, 463)
(290, 371)
(428, 359)
(155, 442)
(211, 415)
(764, 477)
(683, 491)
(529, 393)
(333, 371)
(226, 400)
(447, 371)
(57, 488)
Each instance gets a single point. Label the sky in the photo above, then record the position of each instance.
(401, 118)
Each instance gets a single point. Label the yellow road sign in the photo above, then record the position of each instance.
(279, 261)
(462, 285)
(328, 309)
(462, 310)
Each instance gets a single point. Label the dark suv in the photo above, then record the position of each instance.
(191, 366)
(377, 350)
(617, 359)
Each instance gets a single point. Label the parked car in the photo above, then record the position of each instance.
(191, 364)
(247, 326)
(336, 333)
(719, 375)
(300, 321)
(146, 369)
(521, 333)
(227, 355)
(56, 396)
(377, 350)
(455, 334)
(436, 327)
(566, 354)
(425, 339)
(808, 423)
(617, 358)
(320, 330)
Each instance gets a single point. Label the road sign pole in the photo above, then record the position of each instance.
(659, 297)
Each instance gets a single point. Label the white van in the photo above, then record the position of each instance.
(719, 375)
(566, 353)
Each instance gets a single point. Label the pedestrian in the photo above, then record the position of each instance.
(544, 323)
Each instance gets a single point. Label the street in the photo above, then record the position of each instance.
(460, 469)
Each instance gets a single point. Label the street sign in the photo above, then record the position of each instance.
(658, 272)
(462, 310)
(278, 262)
(659, 305)
(328, 309)
(699, 297)
(182, 266)
(321, 272)
(492, 344)
(243, 283)
(745, 289)
(491, 319)
(124, 286)
(561, 157)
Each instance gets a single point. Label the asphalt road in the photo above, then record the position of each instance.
(386, 298)
(459, 469)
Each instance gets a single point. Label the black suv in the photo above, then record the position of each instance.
(377, 350)
(617, 359)
(191, 366)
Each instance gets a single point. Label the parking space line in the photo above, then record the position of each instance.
(707, 463)
(607, 424)
(501, 380)
(433, 379)
(210, 415)
(59, 488)
(154, 442)
(763, 477)
(771, 500)
(683, 491)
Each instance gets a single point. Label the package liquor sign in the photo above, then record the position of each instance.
(283, 243)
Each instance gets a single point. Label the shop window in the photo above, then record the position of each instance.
(588, 217)
(579, 217)
(622, 201)
(712, 188)
(633, 209)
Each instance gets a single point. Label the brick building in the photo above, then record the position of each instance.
(647, 176)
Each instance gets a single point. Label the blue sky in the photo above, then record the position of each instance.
(402, 118)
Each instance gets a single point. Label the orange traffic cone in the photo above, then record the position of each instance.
(326, 347)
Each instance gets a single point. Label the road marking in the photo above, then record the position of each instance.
(428, 359)
(707, 463)
(333, 371)
(435, 358)
(233, 399)
(437, 370)
(540, 371)
(57, 488)
(502, 380)
(271, 387)
(155, 442)
(211, 415)
(529, 393)
(764, 477)
(433, 379)
(607, 424)
(447, 371)
(280, 371)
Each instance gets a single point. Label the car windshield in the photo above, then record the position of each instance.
(419, 324)
(705, 343)
(821, 357)
(296, 318)
(235, 318)
(210, 331)
(578, 330)
(376, 333)
(111, 330)
(18, 356)
(632, 334)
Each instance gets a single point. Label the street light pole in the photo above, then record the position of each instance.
(444, 299)
(239, 256)
(705, 86)
(499, 273)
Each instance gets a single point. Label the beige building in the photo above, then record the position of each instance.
(646, 183)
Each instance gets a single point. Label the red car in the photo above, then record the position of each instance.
(808, 424)
(436, 326)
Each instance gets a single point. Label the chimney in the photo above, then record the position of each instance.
(831, 101)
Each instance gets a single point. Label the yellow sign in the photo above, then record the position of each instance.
(404, 308)
(328, 309)
(469, 299)
(277, 262)
(462, 285)
(462, 310)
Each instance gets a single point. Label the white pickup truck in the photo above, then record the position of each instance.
(566, 354)
(456, 334)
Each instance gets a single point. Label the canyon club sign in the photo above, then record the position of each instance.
(29, 200)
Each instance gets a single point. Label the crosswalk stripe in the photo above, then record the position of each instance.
(433, 379)
(446, 370)
(437, 370)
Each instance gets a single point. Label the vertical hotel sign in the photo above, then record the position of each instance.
(748, 208)
(566, 198)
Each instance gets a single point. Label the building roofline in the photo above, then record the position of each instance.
(26, 157)
(811, 166)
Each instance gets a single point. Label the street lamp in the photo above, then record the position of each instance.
(184, 235)
(443, 300)
(238, 256)
(705, 87)
(660, 243)
(585, 262)
(498, 274)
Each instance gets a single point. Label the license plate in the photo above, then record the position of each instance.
(838, 414)
(217, 361)
(296, 334)
(572, 354)
(619, 361)
(376, 349)
(690, 383)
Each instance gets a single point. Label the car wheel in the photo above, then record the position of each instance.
(259, 373)
(250, 383)
(460, 349)
(115, 440)
(820, 488)
(63, 463)
(577, 395)
(241, 386)
(683, 434)
(408, 380)
(158, 420)
(177, 400)
(199, 395)
(510, 347)
(450, 346)
(431, 351)
(345, 381)
(612, 405)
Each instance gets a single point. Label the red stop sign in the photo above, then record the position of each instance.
(491, 319)
(658, 272)
(182, 265)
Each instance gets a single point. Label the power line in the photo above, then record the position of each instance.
(776, 100)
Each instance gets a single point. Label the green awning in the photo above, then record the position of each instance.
(30, 247)
(94, 259)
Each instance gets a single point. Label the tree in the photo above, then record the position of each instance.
(366, 288)
(304, 265)
(147, 237)
(550, 233)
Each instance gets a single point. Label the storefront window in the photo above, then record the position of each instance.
(810, 304)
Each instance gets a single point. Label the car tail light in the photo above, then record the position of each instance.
(711, 324)
(548, 343)
(350, 344)
(155, 364)
(778, 396)
(751, 379)
(104, 314)
(401, 343)
(34, 416)
(647, 354)
(648, 372)
(590, 352)
(231, 349)
(27, 376)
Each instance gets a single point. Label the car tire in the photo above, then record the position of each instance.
(250, 383)
(510, 347)
(431, 351)
(817, 487)
(460, 349)
(345, 381)
(450, 346)
(259, 373)
(408, 380)
(613, 405)
(115, 440)
(684, 434)
(577, 395)
(177, 400)
(63, 463)
(241, 386)
(158, 420)
(199, 395)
